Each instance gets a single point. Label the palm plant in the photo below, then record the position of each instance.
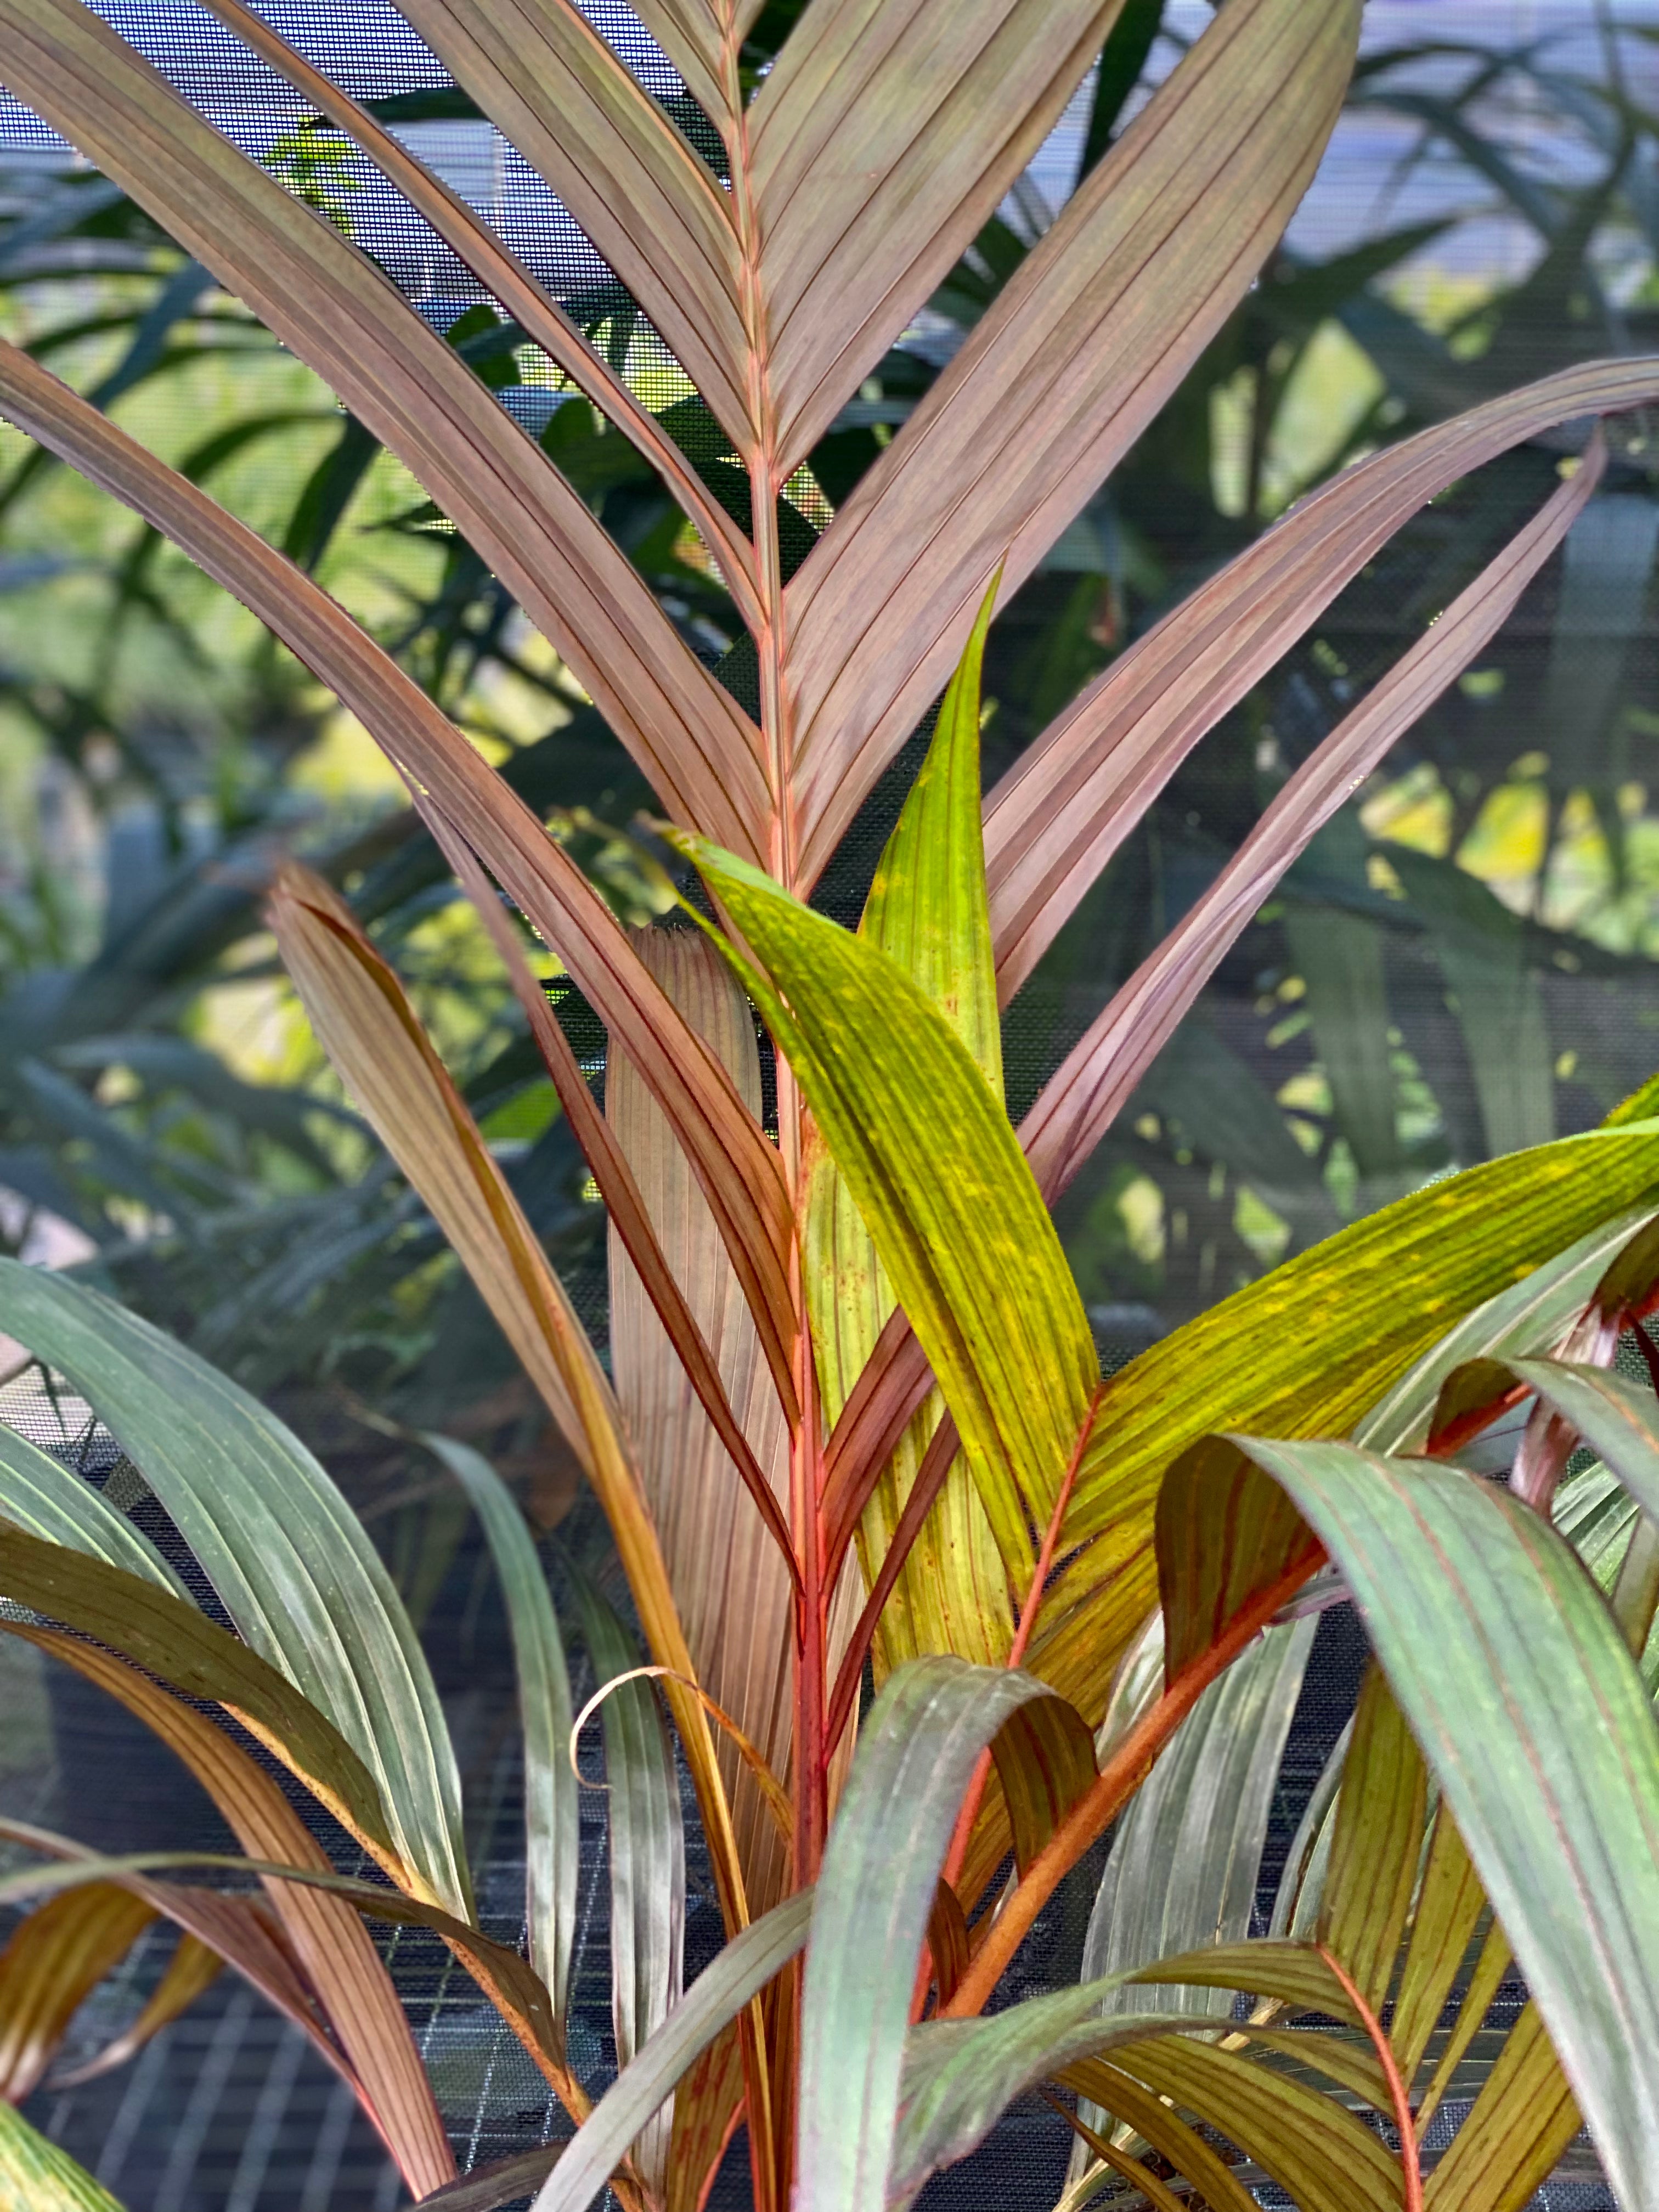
(852, 1333)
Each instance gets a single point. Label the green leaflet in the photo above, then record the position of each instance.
(1522, 2120)
(1617, 1418)
(1186, 1855)
(939, 1178)
(960, 2075)
(928, 910)
(1378, 1844)
(35, 2176)
(1525, 2114)
(1597, 1514)
(720, 1993)
(1514, 1679)
(1449, 1904)
(1317, 2151)
(647, 1838)
(287, 1555)
(174, 1640)
(1373, 1300)
(1524, 1319)
(916, 1752)
(551, 1808)
(1618, 1423)
(39, 1493)
(1151, 2118)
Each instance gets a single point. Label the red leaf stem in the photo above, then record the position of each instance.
(1410, 2164)
(1119, 1778)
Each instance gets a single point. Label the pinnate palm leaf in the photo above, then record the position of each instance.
(1083, 1097)
(1376, 1297)
(1074, 796)
(370, 2040)
(1162, 240)
(877, 150)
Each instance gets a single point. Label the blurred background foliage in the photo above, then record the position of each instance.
(1466, 963)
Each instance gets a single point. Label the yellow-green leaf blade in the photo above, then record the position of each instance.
(1449, 1903)
(1373, 1299)
(927, 909)
(1311, 2145)
(1522, 2120)
(960, 2075)
(35, 2176)
(938, 1177)
(1378, 1844)
(1130, 2101)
